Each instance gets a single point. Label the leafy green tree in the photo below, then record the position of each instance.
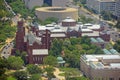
(20, 75)
(84, 19)
(35, 77)
(3, 11)
(33, 69)
(72, 59)
(21, 54)
(71, 73)
(19, 7)
(106, 15)
(11, 78)
(73, 48)
(56, 47)
(49, 71)
(50, 60)
(15, 62)
(50, 20)
(3, 66)
(117, 46)
(118, 24)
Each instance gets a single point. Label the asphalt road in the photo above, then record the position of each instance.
(6, 51)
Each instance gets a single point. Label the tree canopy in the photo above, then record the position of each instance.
(72, 49)
(3, 66)
(15, 62)
(118, 24)
(50, 60)
(33, 69)
(20, 75)
(117, 46)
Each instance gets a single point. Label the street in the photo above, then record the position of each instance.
(6, 51)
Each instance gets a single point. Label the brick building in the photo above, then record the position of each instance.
(36, 47)
(37, 39)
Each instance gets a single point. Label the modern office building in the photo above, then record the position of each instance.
(101, 5)
(117, 9)
(101, 67)
(59, 3)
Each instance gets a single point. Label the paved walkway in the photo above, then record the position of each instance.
(57, 72)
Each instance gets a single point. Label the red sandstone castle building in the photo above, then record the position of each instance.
(37, 39)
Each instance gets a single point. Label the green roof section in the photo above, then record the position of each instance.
(113, 51)
(106, 51)
(93, 40)
(100, 39)
(60, 60)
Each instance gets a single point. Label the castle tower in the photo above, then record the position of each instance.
(20, 36)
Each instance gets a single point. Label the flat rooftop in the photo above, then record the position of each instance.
(102, 61)
(106, 0)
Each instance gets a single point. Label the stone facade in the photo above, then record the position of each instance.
(104, 70)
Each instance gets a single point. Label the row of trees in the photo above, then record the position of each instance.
(6, 31)
(18, 6)
(84, 19)
(30, 72)
(72, 49)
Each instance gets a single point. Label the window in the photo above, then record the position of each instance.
(111, 78)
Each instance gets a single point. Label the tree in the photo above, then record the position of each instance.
(33, 69)
(84, 19)
(118, 24)
(49, 71)
(20, 75)
(21, 54)
(50, 20)
(3, 66)
(15, 62)
(117, 46)
(106, 15)
(56, 47)
(72, 59)
(35, 77)
(50, 60)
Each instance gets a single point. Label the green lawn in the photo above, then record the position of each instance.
(11, 78)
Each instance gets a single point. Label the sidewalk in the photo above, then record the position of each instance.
(57, 72)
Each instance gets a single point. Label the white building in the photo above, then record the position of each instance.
(101, 5)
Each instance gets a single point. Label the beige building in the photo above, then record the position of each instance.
(101, 67)
(32, 3)
(57, 12)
